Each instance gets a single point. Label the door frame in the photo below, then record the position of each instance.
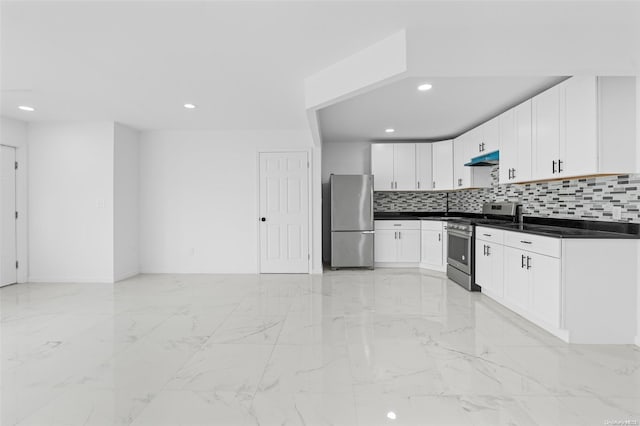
(15, 202)
(309, 154)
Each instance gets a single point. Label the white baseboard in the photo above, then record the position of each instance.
(83, 280)
(429, 267)
(125, 276)
(396, 264)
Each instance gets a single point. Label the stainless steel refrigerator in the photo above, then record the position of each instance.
(352, 231)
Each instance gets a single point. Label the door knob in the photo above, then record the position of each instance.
(263, 219)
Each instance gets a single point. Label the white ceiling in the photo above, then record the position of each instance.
(452, 106)
(244, 63)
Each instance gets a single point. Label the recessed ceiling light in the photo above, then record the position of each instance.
(389, 130)
(26, 108)
(424, 87)
(391, 415)
(189, 106)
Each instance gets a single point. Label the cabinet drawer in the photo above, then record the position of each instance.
(535, 243)
(397, 224)
(490, 235)
(431, 225)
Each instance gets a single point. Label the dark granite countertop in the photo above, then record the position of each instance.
(569, 228)
(548, 227)
(423, 215)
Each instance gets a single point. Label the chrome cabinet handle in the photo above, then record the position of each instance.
(525, 242)
(554, 166)
(528, 262)
(522, 261)
(395, 235)
(559, 165)
(399, 235)
(391, 184)
(487, 235)
(418, 184)
(439, 237)
(434, 184)
(513, 174)
(488, 252)
(484, 249)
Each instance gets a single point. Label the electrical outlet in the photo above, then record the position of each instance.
(617, 212)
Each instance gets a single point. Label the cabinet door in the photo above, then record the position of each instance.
(385, 245)
(424, 166)
(409, 246)
(431, 252)
(524, 135)
(516, 278)
(490, 136)
(578, 141)
(546, 138)
(545, 287)
(443, 165)
(508, 145)
(404, 168)
(461, 155)
(382, 163)
(495, 253)
(483, 266)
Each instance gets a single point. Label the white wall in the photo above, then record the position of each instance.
(126, 215)
(71, 202)
(352, 158)
(199, 193)
(638, 162)
(14, 133)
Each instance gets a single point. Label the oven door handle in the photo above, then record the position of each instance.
(457, 233)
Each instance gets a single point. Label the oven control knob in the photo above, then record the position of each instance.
(463, 257)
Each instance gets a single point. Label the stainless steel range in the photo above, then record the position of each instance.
(461, 241)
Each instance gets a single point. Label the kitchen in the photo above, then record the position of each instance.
(449, 206)
(166, 174)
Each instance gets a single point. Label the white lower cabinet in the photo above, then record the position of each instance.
(385, 245)
(433, 243)
(562, 285)
(489, 268)
(545, 288)
(516, 278)
(397, 242)
(409, 246)
(532, 284)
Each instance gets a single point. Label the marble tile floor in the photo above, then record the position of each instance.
(384, 347)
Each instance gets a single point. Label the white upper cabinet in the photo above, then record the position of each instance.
(442, 165)
(394, 166)
(461, 155)
(405, 166)
(546, 134)
(490, 136)
(424, 166)
(515, 144)
(382, 165)
(584, 126)
(578, 140)
(485, 138)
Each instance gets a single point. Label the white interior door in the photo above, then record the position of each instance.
(284, 212)
(8, 250)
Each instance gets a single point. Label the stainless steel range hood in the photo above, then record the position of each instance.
(490, 159)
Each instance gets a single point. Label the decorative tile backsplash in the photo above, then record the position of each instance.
(409, 201)
(592, 198)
